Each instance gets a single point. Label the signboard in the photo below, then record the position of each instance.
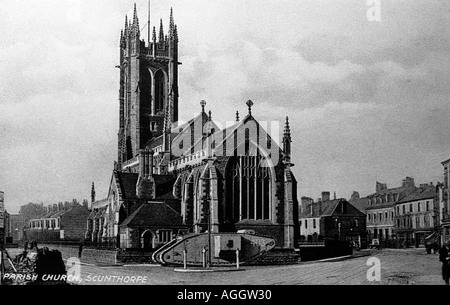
(2, 210)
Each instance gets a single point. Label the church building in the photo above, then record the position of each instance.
(173, 178)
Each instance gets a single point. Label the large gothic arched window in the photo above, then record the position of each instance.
(248, 193)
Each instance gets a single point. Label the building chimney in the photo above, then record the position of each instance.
(325, 196)
(304, 203)
(145, 183)
(60, 206)
(408, 182)
(55, 207)
(380, 187)
(355, 195)
(93, 193)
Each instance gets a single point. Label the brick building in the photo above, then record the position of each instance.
(62, 221)
(222, 179)
(417, 216)
(332, 219)
(380, 212)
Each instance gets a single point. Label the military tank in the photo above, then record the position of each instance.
(215, 249)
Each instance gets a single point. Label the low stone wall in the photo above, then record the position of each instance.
(276, 257)
(88, 255)
(134, 256)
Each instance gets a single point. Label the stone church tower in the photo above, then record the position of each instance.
(148, 86)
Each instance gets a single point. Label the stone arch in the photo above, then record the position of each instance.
(249, 184)
(187, 201)
(148, 240)
(160, 80)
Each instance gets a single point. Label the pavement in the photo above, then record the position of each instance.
(397, 267)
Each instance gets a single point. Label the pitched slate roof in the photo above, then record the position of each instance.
(421, 193)
(360, 203)
(100, 203)
(155, 213)
(155, 142)
(127, 182)
(328, 208)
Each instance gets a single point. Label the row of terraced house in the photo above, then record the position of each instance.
(407, 215)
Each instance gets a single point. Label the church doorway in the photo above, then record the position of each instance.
(147, 240)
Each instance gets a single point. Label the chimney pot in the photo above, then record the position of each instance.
(325, 196)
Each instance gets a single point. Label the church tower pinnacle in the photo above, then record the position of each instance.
(287, 141)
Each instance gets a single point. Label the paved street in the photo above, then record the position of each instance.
(398, 267)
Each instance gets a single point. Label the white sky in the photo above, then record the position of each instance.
(367, 101)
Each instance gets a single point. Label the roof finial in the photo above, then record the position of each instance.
(287, 142)
(210, 115)
(149, 30)
(237, 116)
(172, 23)
(203, 104)
(93, 193)
(135, 14)
(334, 195)
(154, 34)
(250, 105)
(161, 31)
(287, 129)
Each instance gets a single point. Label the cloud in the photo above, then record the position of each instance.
(367, 100)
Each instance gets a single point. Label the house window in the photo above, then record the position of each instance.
(411, 208)
(306, 223)
(398, 223)
(386, 216)
(417, 222)
(404, 209)
(314, 223)
(374, 217)
(392, 215)
(369, 217)
(356, 223)
(418, 207)
(381, 217)
(164, 236)
(428, 206)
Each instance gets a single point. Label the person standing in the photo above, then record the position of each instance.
(445, 259)
(80, 250)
